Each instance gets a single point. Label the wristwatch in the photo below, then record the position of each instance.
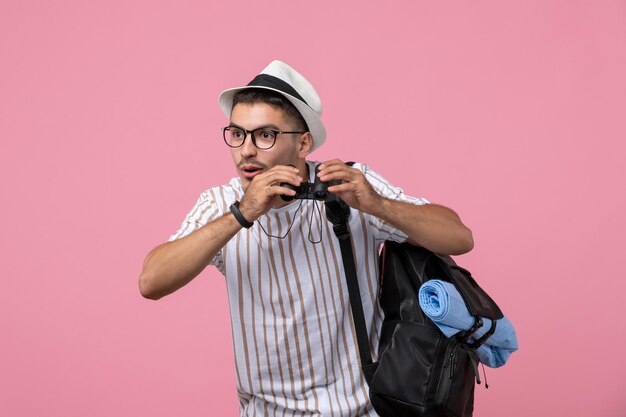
(234, 208)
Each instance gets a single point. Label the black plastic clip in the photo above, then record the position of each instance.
(341, 230)
(478, 323)
(483, 338)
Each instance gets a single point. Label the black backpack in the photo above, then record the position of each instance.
(419, 372)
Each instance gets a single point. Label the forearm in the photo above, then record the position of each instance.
(434, 227)
(172, 265)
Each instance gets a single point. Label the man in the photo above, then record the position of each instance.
(295, 347)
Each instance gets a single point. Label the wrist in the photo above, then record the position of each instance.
(239, 216)
(248, 209)
(382, 209)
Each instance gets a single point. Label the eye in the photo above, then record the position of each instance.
(237, 133)
(267, 135)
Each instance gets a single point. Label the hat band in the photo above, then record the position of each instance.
(265, 80)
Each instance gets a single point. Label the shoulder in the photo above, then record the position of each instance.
(222, 195)
(366, 169)
(386, 188)
(372, 176)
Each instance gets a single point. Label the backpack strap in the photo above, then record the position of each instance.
(338, 213)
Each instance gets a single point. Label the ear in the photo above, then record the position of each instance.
(305, 144)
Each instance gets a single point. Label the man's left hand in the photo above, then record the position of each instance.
(354, 189)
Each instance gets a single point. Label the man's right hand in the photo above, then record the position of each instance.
(264, 191)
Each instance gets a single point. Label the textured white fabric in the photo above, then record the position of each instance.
(295, 347)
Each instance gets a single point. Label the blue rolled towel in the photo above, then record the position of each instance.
(441, 301)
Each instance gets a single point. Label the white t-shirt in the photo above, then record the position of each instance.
(295, 347)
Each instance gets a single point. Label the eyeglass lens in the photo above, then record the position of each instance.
(262, 138)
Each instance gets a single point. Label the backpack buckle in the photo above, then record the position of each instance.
(341, 230)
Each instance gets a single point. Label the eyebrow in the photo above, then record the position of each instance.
(269, 126)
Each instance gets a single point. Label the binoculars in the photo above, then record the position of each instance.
(316, 190)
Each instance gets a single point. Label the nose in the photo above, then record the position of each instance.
(248, 149)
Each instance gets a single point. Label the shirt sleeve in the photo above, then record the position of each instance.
(203, 212)
(383, 230)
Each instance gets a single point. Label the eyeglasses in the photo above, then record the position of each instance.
(262, 138)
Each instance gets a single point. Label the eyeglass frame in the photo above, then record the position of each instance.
(246, 131)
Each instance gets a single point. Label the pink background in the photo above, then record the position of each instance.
(512, 113)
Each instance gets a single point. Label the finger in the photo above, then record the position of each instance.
(336, 165)
(346, 186)
(278, 176)
(346, 173)
(281, 170)
(338, 175)
(331, 162)
(282, 167)
(275, 190)
(286, 170)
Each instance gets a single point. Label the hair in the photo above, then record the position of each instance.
(274, 99)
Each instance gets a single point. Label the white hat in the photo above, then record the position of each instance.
(283, 79)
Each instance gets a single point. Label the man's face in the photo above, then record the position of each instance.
(251, 161)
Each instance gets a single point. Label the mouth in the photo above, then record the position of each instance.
(250, 171)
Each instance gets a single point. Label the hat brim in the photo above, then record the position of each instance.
(313, 121)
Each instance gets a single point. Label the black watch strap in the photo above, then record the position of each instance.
(234, 208)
